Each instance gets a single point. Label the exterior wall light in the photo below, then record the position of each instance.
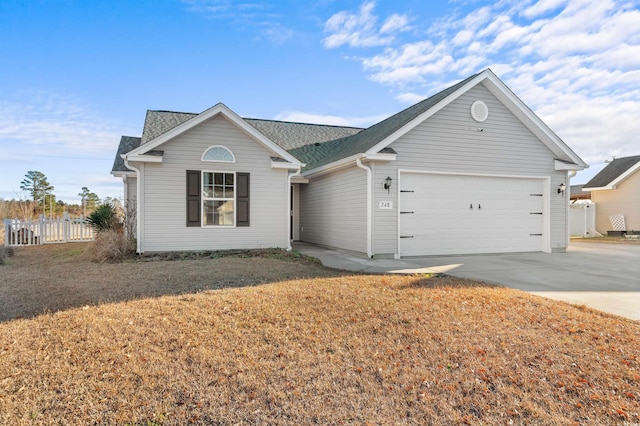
(562, 188)
(387, 183)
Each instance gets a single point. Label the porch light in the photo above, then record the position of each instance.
(387, 183)
(562, 188)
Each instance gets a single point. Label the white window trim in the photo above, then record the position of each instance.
(218, 161)
(203, 199)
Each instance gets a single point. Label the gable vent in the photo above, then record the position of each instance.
(479, 111)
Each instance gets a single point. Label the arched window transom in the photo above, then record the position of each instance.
(219, 154)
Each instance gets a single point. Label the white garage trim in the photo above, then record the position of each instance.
(545, 183)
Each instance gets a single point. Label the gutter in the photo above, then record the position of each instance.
(138, 204)
(368, 170)
(289, 177)
(331, 166)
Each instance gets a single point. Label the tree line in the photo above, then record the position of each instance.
(42, 200)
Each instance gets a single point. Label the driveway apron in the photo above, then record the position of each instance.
(601, 276)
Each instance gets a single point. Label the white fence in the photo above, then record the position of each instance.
(582, 219)
(63, 229)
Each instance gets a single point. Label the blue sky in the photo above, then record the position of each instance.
(76, 75)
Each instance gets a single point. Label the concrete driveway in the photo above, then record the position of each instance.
(602, 276)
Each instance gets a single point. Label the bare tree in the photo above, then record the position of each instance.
(130, 218)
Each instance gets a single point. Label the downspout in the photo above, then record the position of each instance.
(138, 203)
(289, 218)
(368, 170)
(570, 174)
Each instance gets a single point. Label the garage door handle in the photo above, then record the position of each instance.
(406, 212)
(406, 236)
(535, 212)
(405, 190)
(535, 235)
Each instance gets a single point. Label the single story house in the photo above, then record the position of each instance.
(470, 169)
(616, 191)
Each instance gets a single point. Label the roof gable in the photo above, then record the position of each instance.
(615, 172)
(366, 141)
(191, 121)
(381, 135)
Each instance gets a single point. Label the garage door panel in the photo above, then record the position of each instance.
(452, 214)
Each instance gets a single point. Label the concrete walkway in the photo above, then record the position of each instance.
(602, 276)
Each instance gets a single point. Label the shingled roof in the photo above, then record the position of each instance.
(127, 143)
(286, 134)
(159, 122)
(613, 171)
(319, 145)
(320, 154)
(291, 135)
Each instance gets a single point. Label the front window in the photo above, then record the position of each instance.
(218, 199)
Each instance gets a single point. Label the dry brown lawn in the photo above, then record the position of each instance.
(284, 341)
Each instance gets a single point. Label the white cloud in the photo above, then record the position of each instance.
(56, 125)
(395, 23)
(360, 29)
(575, 62)
(62, 137)
(542, 7)
(410, 98)
(333, 120)
(276, 33)
(258, 16)
(227, 9)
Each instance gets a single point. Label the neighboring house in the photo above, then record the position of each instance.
(616, 190)
(577, 193)
(469, 170)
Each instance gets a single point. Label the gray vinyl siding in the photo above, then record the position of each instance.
(625, 200)
(333, 210)
(164, 210)
(450, 141)
(131, 190)
(130, 202)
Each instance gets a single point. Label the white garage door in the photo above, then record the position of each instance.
(452, 214)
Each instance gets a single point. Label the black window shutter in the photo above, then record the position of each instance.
(242, 199)
(193, 197)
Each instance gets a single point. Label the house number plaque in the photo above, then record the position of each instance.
(385, 205)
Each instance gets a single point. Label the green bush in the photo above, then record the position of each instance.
(104, 218)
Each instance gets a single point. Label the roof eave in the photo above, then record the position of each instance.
(285, 165)
(141, 158)
(327, 168)
(122, 173)
(617, 181)
(563, 165)
(380, 156)
(600, 188)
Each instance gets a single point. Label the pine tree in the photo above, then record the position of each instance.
(36, 184)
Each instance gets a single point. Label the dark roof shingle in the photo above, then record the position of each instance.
(314, 144)
(127, 143)
(613, 171)
(318, 155)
